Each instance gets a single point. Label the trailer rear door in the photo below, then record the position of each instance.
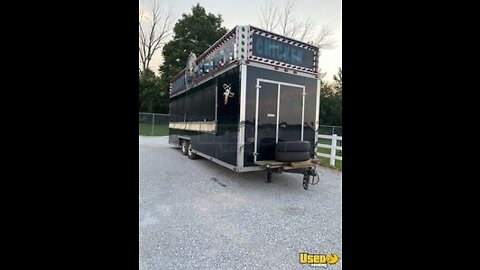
(280, 109)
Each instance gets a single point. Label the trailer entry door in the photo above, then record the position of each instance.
(280, 114)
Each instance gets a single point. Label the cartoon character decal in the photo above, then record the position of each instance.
(227, 94)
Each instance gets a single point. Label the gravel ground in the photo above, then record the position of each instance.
(196, 214)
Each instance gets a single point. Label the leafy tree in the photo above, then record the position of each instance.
(194, 32)
(150, 98)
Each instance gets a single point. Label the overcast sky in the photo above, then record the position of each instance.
(242, 12)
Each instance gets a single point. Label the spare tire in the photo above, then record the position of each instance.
(292, 156)
(293, 146)
(266, 149)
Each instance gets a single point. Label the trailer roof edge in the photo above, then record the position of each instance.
(211, 48)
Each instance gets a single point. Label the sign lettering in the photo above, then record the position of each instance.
(281, 51)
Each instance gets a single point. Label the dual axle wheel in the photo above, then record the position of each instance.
(186, 147)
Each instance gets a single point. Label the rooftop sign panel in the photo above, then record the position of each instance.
(243, 44)
(282, 52)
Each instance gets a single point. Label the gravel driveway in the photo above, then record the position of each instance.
(195, 214)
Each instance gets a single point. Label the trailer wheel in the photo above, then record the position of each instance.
(184, 144)
(269, 176)
(191, 155)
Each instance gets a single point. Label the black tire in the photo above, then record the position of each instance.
(292, 156)
(184, 145)
(190, 154)
(266, 149)
(293, 146)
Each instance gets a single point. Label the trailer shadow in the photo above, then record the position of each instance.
(226, 180)
(285, 182)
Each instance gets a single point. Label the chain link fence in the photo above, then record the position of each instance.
(153, 124)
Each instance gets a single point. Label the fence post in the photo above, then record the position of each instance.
(333, 150)
(153, 123)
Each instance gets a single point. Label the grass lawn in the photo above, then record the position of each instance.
(326, 161)
(159, 129)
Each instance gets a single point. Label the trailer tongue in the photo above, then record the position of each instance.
(307, 168)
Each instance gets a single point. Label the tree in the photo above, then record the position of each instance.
(331, 100)
(281, 19)
(338, 81)
(147, 87)
(269, 19)
(151, 99)
(154, 27)
(194, 33)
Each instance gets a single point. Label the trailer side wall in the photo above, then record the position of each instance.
(196, 104)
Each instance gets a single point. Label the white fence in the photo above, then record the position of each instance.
(333, 147)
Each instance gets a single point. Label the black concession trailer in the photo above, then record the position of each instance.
(250, 102)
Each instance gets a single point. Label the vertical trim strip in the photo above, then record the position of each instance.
(256, 119)
(278, 111)
(241, 124)
(303, 111)
(317, 112)
(216, 100)
(216, 105)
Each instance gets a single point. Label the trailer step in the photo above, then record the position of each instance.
(270, 163)
(288, 165)
(303, 164)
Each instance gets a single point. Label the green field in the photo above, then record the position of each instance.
(326, 161)
(158, 130)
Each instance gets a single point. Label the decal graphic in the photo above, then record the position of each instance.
(227, 94)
